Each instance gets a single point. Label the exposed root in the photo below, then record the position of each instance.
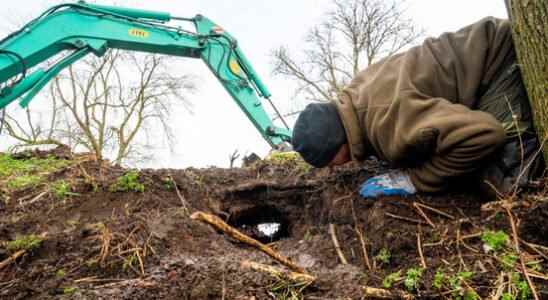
(333, 234)
(370, 292)
(279, 273)
(11, 259)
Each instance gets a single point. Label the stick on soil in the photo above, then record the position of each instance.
(278, 273)
(234, 233)
(333, 234)
(11, 259)
(370, 292)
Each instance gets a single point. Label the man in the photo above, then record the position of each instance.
(453, 108)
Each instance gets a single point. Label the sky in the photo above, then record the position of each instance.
(217, 127)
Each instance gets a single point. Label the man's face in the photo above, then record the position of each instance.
(342, 156)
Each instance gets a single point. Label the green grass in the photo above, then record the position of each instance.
(18, 174)
(25, 242)
(383, 256)
(129, 182)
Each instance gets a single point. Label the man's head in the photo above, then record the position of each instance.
(319, 136)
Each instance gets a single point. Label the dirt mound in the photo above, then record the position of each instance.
(89, 230)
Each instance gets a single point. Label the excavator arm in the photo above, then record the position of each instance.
(82, 28)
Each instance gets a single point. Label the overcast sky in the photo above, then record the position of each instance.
(217, 126)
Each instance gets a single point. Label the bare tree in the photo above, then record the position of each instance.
(355, 34)
(116, 106)
(233, 157)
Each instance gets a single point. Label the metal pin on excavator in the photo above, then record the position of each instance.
(83, 28)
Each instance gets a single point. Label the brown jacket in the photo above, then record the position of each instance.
(416, 109)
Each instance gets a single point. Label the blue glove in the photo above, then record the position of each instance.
(395, 183)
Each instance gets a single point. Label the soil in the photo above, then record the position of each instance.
(100, 244)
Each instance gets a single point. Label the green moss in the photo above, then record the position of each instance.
(129, 182)
(288, 159)
(26, 242)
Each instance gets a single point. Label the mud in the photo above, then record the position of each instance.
(104, 245)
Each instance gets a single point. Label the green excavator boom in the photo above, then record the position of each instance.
(83, 28)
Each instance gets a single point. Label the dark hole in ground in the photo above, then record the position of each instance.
(264, 223)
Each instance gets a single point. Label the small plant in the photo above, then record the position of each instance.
(61, 190)
(494, 241)
(129, 262)
(509, 260)
(69, 290)
(439, 279)
(60, 273)
(383, 256)
(413, 278)
(391, 279)
(26, 242)
(456, 283)
(522, 290)
(129, 182)
(168, 183)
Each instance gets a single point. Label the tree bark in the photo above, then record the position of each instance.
(530, 27)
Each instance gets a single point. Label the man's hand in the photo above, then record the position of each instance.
(395, 183)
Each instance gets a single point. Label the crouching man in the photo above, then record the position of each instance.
(453, 108)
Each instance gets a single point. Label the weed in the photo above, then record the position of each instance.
(383, 256)
(69, 290)
(62, 189)
(129, 262)
(26, 242)
(413, 278)
(60, 273)
(508, 260)
(392, 278)
(439, 278)
(456, 283)
(168, 183)
(285, 290)
(129, 182)
(494, 241)
(523, 290)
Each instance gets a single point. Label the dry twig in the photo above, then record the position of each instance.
(439, 212)
(370, 292)
(419, 247)
(234, 233)
(360, 237)
(520, 255)
(278, 273)
(404, 218)
(423, 215)
(181, 197)
(333, 234)
(11, 259)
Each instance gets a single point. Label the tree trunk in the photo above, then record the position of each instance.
(530, 26)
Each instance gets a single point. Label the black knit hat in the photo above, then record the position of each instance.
(318, 134)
